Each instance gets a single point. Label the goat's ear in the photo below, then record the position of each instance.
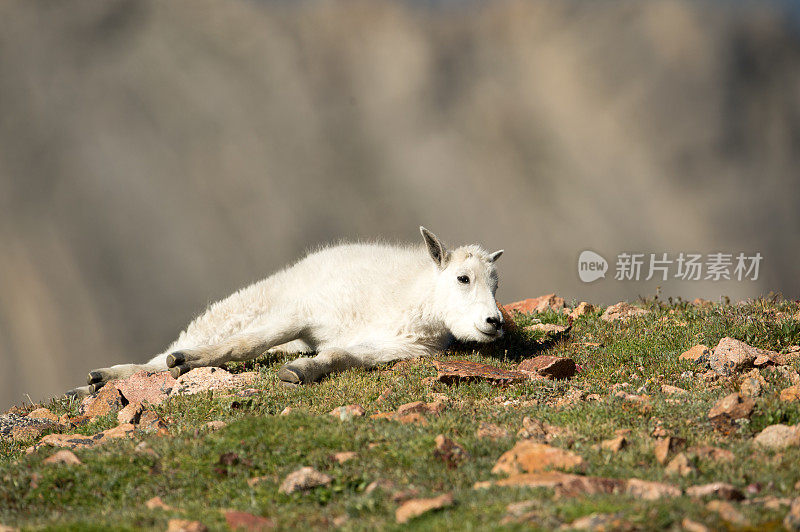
(496, 255)
(435, 247)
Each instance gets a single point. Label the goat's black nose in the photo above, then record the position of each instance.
(495, 322)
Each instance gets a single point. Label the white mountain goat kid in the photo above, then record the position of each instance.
(355, 305)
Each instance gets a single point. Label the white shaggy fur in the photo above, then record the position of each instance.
(355, 305)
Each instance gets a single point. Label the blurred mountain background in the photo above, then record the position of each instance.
(155, 156)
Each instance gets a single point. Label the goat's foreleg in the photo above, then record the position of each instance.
(98, 377)
(239, 347)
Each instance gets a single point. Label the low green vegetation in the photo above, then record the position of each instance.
(188, 470)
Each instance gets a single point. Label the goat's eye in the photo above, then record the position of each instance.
(463, 279)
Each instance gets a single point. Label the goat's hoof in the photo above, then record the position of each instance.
(93, 388)
(284, 384)
(93, 377)
(290, 375)
(176, 359)
(177, 371)
(76, 394)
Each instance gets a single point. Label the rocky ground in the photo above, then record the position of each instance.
(682, 416)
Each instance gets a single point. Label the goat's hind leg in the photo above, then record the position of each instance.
(239, 347)
(79, 393)
(332, 360)
(311, 369)
(98, 377)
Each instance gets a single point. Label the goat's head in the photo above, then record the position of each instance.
(465, 289)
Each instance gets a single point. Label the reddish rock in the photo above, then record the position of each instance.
(778, 437)
(43, 414)
(204, 379)
(380, 484)
(718, 490)
(732, 355)
(601, 522)
(536, 430)
(455, 371)
(304, 479)
(525, 306)
(130, 413)
(622, 311)
(709, 376)
(490, 430)
(184, 525)
(792, 353)
(680, 465)
(451, 453)
(348, 411)
(537, 304)
(650, 491)
(550, 330)
(157, 504)
(244, 521)
(533, 429)
(693, 526)
(404, 495)
(577, 486)
(730, 408)
(773, 503)
(412, 418)
(641, 401)
(792, 519)
(752, 384)
(571, 485)
(64, 456)
(150, 422)
(72, 441)
(417, 407)
(549, 366)
(544, 479)
(572, 397)
(672, 390)
(666, 445)
(531, 457)
(416, 507)
(344, 456)
(77, 441)
(254, 481)
(215, 425)
(145, 387)
(614, 444)
(715, 454)
(108, 399)
(790, 394)
(31, 430)
(698, 353)
(582, 309)
(140, 388)
(509, 326)
(412, 412)
(788, 374)
(771, 358)
(727, 512)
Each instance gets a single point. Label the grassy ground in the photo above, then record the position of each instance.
(110, 489)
